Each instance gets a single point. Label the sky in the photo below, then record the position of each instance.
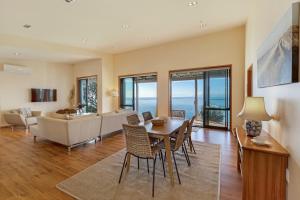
(182, 88)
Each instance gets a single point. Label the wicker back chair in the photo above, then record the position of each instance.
(181, 135)
(147, 115)
(133, 119)
(137, 141)
(178, 113)
(190, 126)
(138, 145)
(188, 135)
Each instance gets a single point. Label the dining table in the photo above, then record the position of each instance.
(163, 132)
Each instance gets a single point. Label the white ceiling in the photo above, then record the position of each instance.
(114, 26)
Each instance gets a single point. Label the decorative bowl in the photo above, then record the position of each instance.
(158, 122)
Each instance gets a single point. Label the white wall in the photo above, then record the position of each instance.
(108, 103)
(89, 68)
(15, 88)
(282, 100)
(225, 47)
(104, 69)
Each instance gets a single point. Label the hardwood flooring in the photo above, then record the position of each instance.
(31, 170)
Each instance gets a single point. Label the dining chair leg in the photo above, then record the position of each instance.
(153, 182)
(148, 165)
(176, 167)
(186, 158)
(192, 145)
(187, 155)
(163, 162)
(138, 162)
(123, 167)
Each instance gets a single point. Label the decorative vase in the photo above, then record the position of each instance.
(253, 128)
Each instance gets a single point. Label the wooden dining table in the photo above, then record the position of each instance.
(164, 131)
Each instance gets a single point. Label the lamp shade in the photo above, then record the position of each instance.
(254, 109)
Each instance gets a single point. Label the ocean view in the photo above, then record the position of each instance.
(178, 103)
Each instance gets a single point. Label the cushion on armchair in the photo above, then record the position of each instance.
(26, 112)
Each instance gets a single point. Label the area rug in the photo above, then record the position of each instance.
(100, 181)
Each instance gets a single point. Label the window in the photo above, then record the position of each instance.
(87, 87)
(139, 93)
(204, 94)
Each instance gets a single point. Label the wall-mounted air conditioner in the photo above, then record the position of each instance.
(15, 69)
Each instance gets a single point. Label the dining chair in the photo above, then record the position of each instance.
(133, 119)
(147, 115)
(178, 113)
(138, 145)
(188, 134)
(177, 144)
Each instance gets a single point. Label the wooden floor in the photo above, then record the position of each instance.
(31, 170)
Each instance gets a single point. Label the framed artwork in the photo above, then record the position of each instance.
(278, 57)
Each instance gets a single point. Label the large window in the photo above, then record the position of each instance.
(139, 93)
(87, 87)
(204, 94)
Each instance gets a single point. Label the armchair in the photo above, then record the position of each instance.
(20, 118)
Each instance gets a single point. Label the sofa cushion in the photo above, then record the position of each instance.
(57, 115)
(31, 120)
(26, 112)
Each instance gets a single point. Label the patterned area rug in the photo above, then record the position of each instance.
(100, 181)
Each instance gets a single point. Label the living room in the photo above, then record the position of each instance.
(161, 61)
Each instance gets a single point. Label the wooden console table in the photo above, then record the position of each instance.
(263, 168)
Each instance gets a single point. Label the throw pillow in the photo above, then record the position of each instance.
(28, 111)
(23, 112)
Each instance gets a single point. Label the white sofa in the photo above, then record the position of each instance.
(113, 121)
(68, 132)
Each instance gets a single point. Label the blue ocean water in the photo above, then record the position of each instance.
(180, 103)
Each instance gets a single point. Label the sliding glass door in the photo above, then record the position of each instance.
(183, 96)
(146, 97)
(88, 93)
(217, 99)
(139, 93)
(204, 94)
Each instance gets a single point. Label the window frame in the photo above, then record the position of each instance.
(79, 88)
(134, 76)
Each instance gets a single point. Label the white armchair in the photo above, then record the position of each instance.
(22, 117)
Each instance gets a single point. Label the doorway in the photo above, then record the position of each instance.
(204, 93)
(87, 93)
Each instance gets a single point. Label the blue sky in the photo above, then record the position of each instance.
(183, 88)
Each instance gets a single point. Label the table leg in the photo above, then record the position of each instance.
(128, 162)
(169, 158)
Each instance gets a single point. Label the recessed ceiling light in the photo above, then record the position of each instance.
(17, 54)
(27, 26)
(193, 3)
(69, 1)
(125, 26)
(84, 40)
(203, 25)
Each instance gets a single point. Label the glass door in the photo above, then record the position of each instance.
(200, 103)
(183, 97)
(139, 93)
(204, 94)
(217, 99)
(127, 93)
(88, 93)
(146, 93)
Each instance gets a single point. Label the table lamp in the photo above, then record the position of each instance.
(254, 112)
(114, 93)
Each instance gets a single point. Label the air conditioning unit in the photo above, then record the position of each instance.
(15, 69)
